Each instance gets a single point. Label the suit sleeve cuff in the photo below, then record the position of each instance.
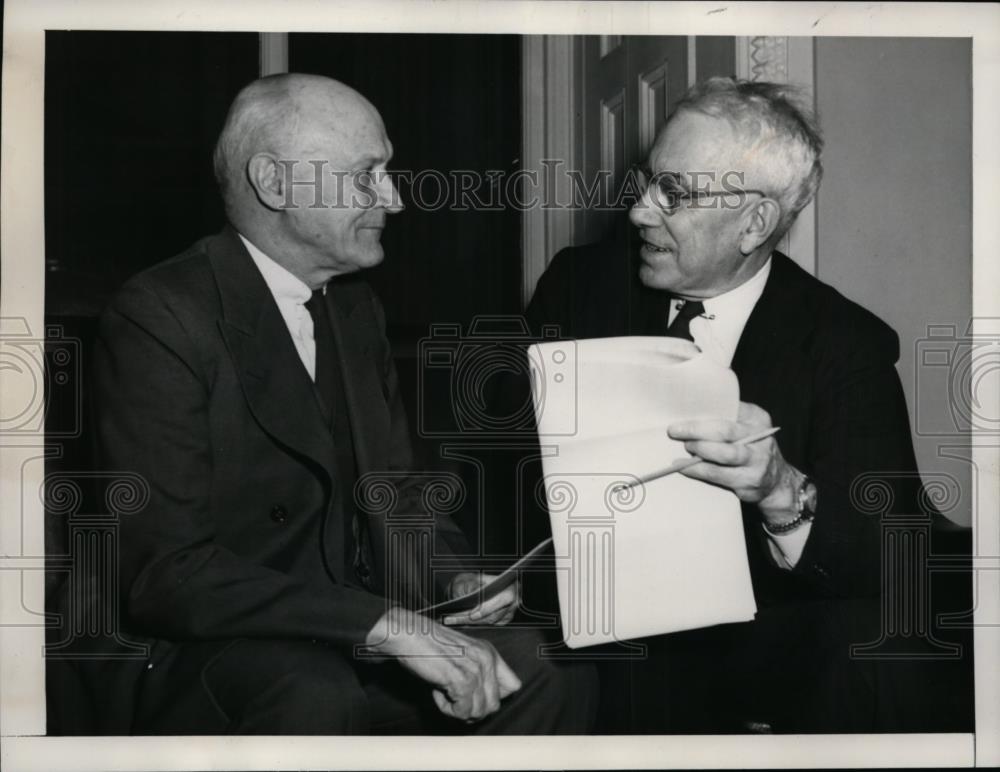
(786, 548)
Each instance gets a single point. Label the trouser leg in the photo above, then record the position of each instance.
(556, 696)
(287, 687)
(265, 687)
(295, 687)
(793, 669)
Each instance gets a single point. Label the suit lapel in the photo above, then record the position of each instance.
(772, 336)
(363, 385)
(277, 387)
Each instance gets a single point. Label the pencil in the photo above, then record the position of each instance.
(684, 463)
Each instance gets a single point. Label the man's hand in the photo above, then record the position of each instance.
(498, 610)
(468, 675)
(756, 472)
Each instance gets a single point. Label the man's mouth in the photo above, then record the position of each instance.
(654, 247)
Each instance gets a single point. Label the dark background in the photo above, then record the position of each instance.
(130, 123)
(131, 119)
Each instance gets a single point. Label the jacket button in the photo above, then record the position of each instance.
(278, 513)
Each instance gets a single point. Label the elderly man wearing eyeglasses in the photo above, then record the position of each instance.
(725, 179)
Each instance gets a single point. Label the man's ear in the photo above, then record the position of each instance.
(758, 225)
(266, 177)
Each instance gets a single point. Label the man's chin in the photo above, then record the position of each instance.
(372, 257)
(654, 279)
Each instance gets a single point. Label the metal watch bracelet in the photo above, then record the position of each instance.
(805, 507)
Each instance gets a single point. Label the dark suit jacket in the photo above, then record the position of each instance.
(200, 390)
(821, 365)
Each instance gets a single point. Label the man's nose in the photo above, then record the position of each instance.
(388, 195)
(643, 212)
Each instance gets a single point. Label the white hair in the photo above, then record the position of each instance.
(776, 128)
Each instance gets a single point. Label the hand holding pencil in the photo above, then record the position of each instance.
(740, 455)
(683, 463)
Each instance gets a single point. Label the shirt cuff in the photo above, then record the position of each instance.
(786, 548)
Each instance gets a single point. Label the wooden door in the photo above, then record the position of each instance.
(597, 102)
(628, 86)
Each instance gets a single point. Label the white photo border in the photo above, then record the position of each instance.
(22, 701)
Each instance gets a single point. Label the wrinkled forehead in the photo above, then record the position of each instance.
(693, 142)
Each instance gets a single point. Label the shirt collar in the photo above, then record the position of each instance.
(718, 330)
(740, 300)
(284, 285)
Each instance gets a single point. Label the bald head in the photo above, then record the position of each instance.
(301, 163)
(289, 116)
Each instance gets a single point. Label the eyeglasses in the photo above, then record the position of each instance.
(669, 193)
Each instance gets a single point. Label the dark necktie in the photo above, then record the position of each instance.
(329, 389)
(324, 366)
(680, 327)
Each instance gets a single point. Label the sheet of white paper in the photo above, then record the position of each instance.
(498, 585)
(655, 558)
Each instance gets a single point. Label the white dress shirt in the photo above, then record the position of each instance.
(291, 295)
(717, 332)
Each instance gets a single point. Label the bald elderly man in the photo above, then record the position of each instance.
(250, 382)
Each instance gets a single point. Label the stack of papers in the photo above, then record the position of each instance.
(652, 558)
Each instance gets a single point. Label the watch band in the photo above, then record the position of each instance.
(805, 508)
(791, 525)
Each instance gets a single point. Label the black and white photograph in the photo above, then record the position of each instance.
(385, 383)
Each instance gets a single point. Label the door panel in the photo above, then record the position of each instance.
(653, 104)
(613, 134)
(596, 103)
(628, 87)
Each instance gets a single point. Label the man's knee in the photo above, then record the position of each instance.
(561, 693)
(575, 681)
(288, 687)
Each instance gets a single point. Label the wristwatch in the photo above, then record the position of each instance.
(805, 508)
